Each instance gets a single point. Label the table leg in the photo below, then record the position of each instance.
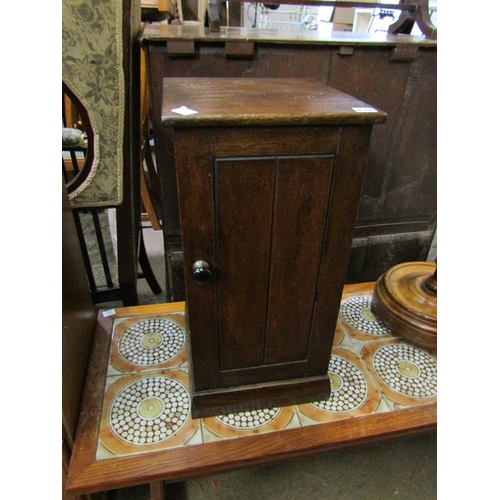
(157, 490)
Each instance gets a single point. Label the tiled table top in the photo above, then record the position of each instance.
(146, 399)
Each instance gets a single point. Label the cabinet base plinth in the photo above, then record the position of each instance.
(253, 397)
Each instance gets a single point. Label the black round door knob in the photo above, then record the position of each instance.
(201, 272)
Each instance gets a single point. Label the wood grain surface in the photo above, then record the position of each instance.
(239, 102)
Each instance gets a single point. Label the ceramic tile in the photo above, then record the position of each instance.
(113, 372)
(149, 343)
(102, 453)
(208, 436)
(249, 423)
(346, 343)
(353, 392)
(404, 373)
(146, 403)
(339, 336)
(357, 345)
(357, 319)
(385, 405)
(147, 412)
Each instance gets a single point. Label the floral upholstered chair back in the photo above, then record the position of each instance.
(93, 75)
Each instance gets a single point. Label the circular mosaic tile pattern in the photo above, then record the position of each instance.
(356, 312)
(151, 342)
(349, 388)
(406, 370)
(249, 419)
(149, 411)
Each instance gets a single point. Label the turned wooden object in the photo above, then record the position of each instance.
(405, 299)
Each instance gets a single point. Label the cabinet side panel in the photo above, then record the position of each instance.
(244, 211)
(302, 196)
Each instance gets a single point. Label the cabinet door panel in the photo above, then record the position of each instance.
(270, 223)
(244, 207)
(301, 206)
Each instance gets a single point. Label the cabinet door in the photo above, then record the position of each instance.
(270, 216)
(275, 224)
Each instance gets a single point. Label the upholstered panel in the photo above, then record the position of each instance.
(93, 69)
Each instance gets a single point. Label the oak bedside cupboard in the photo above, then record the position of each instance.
(269, 175)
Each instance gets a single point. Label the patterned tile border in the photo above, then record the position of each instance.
(147, 402)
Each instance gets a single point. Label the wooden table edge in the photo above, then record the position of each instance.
(87, 474)
(188, 462)
(170, 33)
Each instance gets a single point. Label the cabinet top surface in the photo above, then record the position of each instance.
(260, 101)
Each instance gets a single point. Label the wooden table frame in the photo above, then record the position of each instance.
(87, 475)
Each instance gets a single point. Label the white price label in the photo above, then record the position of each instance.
(365, 110)
(184, 111)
